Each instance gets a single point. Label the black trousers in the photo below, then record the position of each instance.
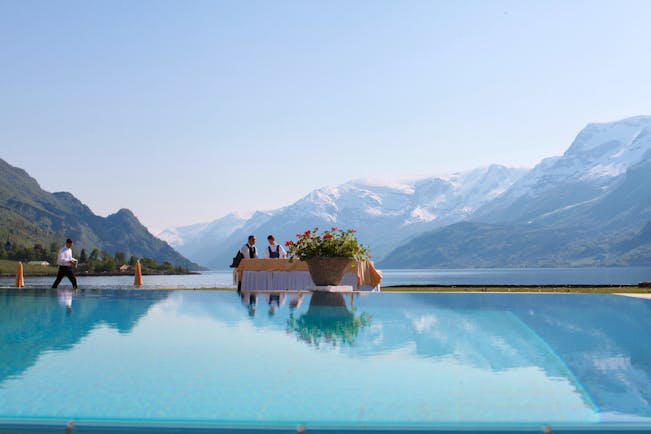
(65, 271)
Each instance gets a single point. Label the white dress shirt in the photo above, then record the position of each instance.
(65, 258)
(245, 252)
(283, 253)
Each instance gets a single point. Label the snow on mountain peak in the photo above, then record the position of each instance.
(242, 215)
(384, 210)
(404, 185)
(599, 154)
(607, 150)
(420, 215)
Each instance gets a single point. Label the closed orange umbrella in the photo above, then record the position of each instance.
(137, 280)
(20, 282)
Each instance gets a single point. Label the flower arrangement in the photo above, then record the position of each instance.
(331, 243)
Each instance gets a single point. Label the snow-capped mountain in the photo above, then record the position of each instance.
(592, 165)
(591, 206)
(600, 187)
(203, 240)
(218, 229)
(384, 212)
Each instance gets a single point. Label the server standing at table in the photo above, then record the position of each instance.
(274, 250)
(249, 250)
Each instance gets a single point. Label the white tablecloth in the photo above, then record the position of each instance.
(293, 281)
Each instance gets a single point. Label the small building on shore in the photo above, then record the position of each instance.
(41, 263)
(124, 268)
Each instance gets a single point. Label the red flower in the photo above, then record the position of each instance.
(327, 236)
(289, 243)
(307, 233)
(334, 228)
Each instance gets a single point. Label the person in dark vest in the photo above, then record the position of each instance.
(274, 250)
(249, 250)
(66, 262)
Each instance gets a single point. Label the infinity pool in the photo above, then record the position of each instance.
(114, 361)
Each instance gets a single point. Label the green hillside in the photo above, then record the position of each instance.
(29, 215)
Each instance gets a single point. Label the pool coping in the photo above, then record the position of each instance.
(72, 426)
(623, 289)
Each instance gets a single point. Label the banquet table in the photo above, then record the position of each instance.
(280, 274)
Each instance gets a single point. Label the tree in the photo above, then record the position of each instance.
(54, 253)
(94, 255)
(39, 253)
(148, 263)
(133, 260)
(120, 257)
(83, 258)
(107, 264)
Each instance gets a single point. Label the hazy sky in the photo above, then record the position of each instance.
(183, 111)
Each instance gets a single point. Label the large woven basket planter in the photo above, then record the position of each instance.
(326, 270)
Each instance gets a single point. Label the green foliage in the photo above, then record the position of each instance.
(94, 255)
(333, 243)
(120, 257)
(30, 215)
(8, 268)
(23, 253)
(97, 262)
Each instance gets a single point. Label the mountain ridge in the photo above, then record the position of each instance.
(30, 215)
(581, 194)
(583, 216)
(383, 213)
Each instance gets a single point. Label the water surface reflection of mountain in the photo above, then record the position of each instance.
(600, 341)
(34, 321)
(596, 342)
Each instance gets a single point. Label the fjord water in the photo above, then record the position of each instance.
(479, 276)
(390, 360)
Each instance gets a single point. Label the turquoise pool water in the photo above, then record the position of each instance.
(211, 359)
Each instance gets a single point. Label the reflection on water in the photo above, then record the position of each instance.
(328, 321)
(286, 358)
(34, 321)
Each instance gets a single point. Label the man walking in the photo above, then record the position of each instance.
(66, 262)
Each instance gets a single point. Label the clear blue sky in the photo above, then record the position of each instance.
(184, 111)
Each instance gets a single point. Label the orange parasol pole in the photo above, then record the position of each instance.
(137, 280)
(20, 282)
